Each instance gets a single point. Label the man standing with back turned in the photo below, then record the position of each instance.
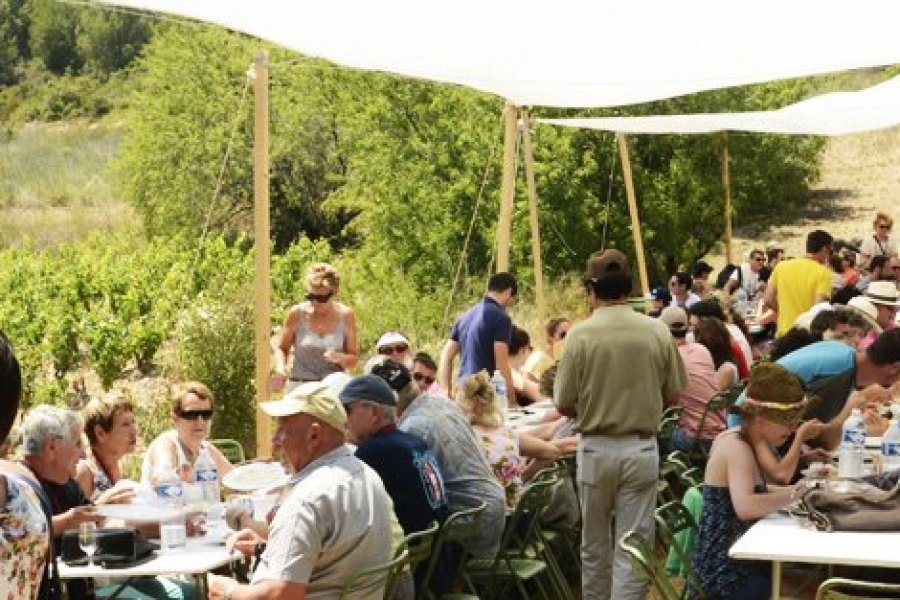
(618, 368)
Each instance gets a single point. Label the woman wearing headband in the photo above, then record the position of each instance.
(735, 493)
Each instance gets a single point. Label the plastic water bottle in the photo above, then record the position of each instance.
(853, 444)
(499, 384)
(740, 301)
(170, 491)
(206, 474)
(890, 443)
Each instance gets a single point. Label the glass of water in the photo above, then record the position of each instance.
(87, 539)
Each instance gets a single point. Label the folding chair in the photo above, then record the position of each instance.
(462, 527)
(642, 560)
(231, 449)
(837, 588)
(672, 519)
(389, 572)
(419, 546)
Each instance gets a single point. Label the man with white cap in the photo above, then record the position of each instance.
(334, 521)
(394, 345)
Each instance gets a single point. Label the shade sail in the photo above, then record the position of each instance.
(838, 113)
(571, 53)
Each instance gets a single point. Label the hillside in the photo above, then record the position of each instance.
(860, 174)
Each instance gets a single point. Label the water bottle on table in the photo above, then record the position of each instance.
(499, 384)
(170, 491)
(890, 442)
(853, 444)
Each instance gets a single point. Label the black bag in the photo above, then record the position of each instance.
(725, 274)
(117, 548)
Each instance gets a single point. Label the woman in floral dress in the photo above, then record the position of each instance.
(24, 529)
(505, 450)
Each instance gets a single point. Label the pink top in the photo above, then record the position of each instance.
(870, 337)
(701, 388)
(501, 449)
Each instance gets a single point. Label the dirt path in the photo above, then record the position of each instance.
(860, 175)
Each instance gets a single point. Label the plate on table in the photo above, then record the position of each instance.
(139, 513)
(255, 476)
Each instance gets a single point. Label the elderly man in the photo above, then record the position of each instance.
(468, 478)
(617, 369)
(333, 523)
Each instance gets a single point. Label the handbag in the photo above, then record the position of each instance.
(852, 505)
(117, 548)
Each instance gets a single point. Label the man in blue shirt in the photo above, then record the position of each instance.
(481, 336)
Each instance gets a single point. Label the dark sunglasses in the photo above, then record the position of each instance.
(423, 377)
(888, 227)
(398, 349)
(193, 415)
(321, 298)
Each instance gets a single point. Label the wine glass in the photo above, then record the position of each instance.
(87, 539)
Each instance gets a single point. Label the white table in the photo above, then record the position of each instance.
(198, 557)
(779, 538)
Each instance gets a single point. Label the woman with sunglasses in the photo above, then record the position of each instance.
(321, 331)
(879, 243)
(192, 414)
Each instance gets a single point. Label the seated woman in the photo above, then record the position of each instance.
(503, 448)
(540, 360)
(527, 388)
(711, 332)
(735, 494)
(112, 432)
(179, 448)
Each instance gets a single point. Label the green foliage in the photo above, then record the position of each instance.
(109, 41)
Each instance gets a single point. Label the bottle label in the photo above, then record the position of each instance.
(891, 448)
(172, 491)
(206, 474)
(854, 437)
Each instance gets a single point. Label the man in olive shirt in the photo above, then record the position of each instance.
(618, 369)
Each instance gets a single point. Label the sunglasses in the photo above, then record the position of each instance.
(321, 298)
(398, 349)
(423, 377)
(888, 227)
(194, 415)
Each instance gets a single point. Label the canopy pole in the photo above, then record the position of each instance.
(726, 183)
(633, 211)
(508, 187)
(261, 251)
(533, 215)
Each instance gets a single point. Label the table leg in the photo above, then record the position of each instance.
(776, 580)
(202, 591)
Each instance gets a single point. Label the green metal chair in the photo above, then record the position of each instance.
(642, 560)
(837, 588)
(691, 477)
(462, 527)
(418, 546)
(231, 449)
(389, 572)
(512, 565)
(671, 519)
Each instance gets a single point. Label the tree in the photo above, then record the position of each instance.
(53, 35)
(109, 41)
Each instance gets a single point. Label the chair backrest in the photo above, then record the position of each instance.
(462, 527)
(638, 550)
(680, 461)
(672, 519)
(667, 426)
(691, 477)
(419, 545)
(231, 449)
(388, 572)
(837, 588)
(523, 526)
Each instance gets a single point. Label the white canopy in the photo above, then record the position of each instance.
(838, 113)
(571, 53)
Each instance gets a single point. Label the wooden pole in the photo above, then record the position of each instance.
(261, 257)
(508, 187)
(633, 211)
(533, 215)
(726, 183)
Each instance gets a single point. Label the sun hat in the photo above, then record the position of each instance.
(314, 398)
(775, 394)
(391, 337)
(863, 306)
(675, 318)
(883, 292)
(368, 387)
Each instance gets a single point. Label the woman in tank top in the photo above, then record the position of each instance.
(735, 494)
(112, 432)
(321, 332)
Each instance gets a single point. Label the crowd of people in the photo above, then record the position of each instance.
(799, 342)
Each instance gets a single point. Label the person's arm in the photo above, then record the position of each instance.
(732, 283)
(349, 357)
(830, 437)
(783, 469)
(770, 300)
(534, 447)
(224, 588)
(501, 360)
(288, 332)
(749, 504)
(565, 388)
(74, 517)
(725, 376)
(445, 367)
(85, 478)
(222, 464)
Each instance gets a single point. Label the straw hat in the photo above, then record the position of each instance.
(883, 292)
(775, 394)
(863, 306)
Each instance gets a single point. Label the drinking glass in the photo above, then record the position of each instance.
(87, 539)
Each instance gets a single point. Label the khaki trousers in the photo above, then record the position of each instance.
(617, 478)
